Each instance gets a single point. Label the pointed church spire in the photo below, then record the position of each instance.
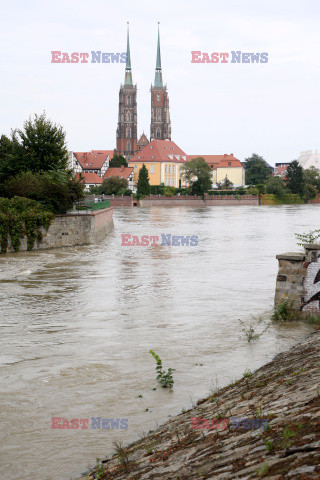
(128, 75)
(158, 74)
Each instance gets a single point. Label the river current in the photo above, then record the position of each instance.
(77, 325)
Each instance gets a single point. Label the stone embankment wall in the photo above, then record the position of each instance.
(267, 424)
(197, 201)
(298, 279)
(74, 229)
(120, 201)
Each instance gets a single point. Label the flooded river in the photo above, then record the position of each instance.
(77, 325)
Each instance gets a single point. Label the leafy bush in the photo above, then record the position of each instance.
(282, 311)
(55, 191)
(20, 217)
(169, 191)
(310, 237)
(252, 191)
(312, 191)
(276, 186)
(113, 186)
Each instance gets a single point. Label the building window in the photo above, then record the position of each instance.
(229, 163)
(158, 97)
(135, 167)
(128, 132)
(158, 133)
(128, 117)
(169, 168)
(165, 169)
(128, 146)
(211, 166)
(169, 181)
(151, 168)
(128, 100)
(172, 168)
(173, 182)
(158, 115)
(165, 181)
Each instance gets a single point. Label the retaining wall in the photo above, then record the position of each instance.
(196, 201)
(73, 229)
(298, 279)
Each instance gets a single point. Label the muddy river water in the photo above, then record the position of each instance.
(77, 325)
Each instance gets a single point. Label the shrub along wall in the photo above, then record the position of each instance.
(22, 218)
(290, 198)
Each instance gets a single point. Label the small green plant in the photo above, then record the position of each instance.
(282, 311)
(164, 378)
(100, 470)
(122, 453)
(269, 445)
(310, 237)
(250, 331)
(291, 431)
(247, 373)
(263, 470)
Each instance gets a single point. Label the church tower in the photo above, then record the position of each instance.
(160, 128)
(127, 118)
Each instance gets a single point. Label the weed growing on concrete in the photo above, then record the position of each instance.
(247, 373)
(100, 470)
(282, 311)
(122, 453)
(263, 470)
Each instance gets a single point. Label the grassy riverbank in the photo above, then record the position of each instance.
(283, 395)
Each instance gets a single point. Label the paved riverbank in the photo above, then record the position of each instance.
(282, 398)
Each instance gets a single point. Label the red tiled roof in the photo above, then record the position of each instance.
(218, 161)
(143, 140)
(281, 170)
(89, 178)
(93, 160)
(122, 172)
(159, 151)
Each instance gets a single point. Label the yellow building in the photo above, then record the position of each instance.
(163, 159)
(224, 166)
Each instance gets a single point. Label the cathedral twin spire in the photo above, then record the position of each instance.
(160, 127)
(158, 74)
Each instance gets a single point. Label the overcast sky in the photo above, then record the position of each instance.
(270, 108)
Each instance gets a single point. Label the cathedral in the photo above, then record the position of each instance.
(160, 126)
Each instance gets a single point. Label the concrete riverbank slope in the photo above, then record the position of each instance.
(220, 437)
(73, 229)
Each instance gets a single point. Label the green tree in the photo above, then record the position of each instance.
(117, 161)
(113, 186)
(226, 184)
(311, 176)
(256, 169)
(294, 178)
(38, 147)
(276, 186)
(143, 187)
(56, 191)
(197, 173)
